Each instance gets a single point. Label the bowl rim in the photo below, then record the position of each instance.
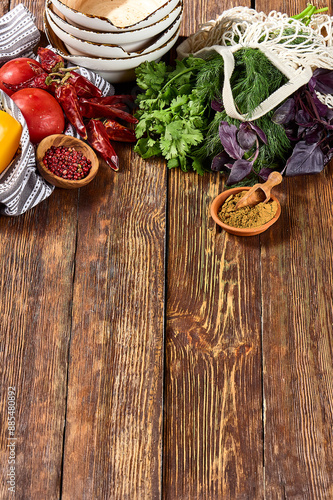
(57, 181)
(115, 34)
(250, 231)
(85, 59)
(108, 21)
(161, 39)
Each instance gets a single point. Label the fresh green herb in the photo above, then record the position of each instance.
(173, 112)
(177, 121)
(254, 79)
(182, 117)
(307, 13)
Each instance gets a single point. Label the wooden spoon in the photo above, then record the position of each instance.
(260, 192)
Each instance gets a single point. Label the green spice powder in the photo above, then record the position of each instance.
(246, 216)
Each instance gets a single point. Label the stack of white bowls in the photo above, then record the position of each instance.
(112, 42)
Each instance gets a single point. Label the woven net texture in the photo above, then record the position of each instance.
(296, 45)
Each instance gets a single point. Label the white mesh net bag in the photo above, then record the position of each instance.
(294, 48)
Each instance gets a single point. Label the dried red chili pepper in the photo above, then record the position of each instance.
(121, 101)
(68, 100)
(49, 60)
(27, 83)
(118, 132)
(91, 109)
(36, 82)
(83, 87)
(99, 140)
(114, 99)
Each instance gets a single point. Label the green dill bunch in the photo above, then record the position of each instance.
(278, 147)
(254, 79)
(288, 34)
(210, 78)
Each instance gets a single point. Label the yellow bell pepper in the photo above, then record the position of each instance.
(10, 135)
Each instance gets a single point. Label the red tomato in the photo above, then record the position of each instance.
(18, 71)
(41, 111)
(7, 91)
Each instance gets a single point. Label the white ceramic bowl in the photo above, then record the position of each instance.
(130, 19)
(113, 70)
(129, 40)
(76, 46)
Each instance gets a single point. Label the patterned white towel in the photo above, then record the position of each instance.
(18, 34)
(21, 186)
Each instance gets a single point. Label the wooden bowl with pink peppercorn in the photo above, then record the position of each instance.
(66, 162)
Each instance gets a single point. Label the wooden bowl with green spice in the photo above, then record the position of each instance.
(251, 215)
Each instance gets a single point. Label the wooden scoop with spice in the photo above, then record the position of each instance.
(260, 192)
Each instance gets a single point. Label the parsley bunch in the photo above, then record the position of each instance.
(173, 113)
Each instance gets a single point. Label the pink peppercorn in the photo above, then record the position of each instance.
(67, 163)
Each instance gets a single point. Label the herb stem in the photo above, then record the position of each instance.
(187, 70)
(303, 13)
(307, 13)
(323, 9)
(308, 17)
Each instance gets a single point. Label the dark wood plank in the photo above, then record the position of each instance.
(113, 439)
(37, 253)
(4, 7)
(213, 405)
(297, 343)
(36, 7)
(199, 12)
(297, 293)
(36, 287)
(213, 367)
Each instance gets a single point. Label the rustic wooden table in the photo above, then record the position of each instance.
(155, 356)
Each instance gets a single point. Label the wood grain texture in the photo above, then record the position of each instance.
(297, 343)
(225, 395)
(113, 442)
(213, 432)
(36, 285)
(297, 319)
(36, 7)
(4, 7)
(199, 12)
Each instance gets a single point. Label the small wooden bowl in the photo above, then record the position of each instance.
(250, 231)
(69, 142)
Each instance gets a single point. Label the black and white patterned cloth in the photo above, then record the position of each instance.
(18, 34)
(21, 185)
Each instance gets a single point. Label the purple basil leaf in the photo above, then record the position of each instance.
(327, 125)
(240, 169)
(312, 83)
(228, 137)
(264, 173)
(322, 109)
(300, 133)
(328, 156)
(219, 161)
(217, 105)
(246, 137)
(292, 133)
(305, 159)
(324, 80)
(260, 133)
(329, 115)
(303, 118)
(285, 113)
(313, 134)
